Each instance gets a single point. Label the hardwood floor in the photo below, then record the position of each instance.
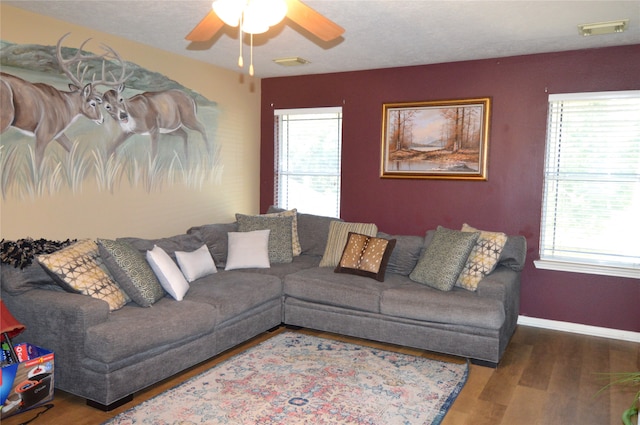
(545, 378)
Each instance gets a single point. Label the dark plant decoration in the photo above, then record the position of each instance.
(20, 253)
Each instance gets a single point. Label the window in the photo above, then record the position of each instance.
(307, 160)
(591, 201)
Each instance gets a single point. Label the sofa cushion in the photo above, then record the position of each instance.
(322, 285)
(337, 239)
(215, 236)
(414, 300)
(17, 281)
(313, 231)
(196, 264)
(406, 253)
(514, 253)
(79, 268)
(248, 250)
(133, 330)
(483, 258)
(168, 273)
(280, 270)
(234, 293)
(132, 271)
(171, 244)
(280, 248)
(366, 256)
(442, 261)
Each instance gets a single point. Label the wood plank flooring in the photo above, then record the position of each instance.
(545, 378)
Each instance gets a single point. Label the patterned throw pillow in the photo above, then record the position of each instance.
(337, 239)
(280, 249)
(483, 258)
(443, 260)
(295, 240)
(79, 268)
(366, 256)
(132, 271)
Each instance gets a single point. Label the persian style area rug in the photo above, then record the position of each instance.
(299, 379)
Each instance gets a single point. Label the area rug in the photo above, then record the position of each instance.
(300, 379)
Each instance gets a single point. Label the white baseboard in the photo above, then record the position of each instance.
(580, 329)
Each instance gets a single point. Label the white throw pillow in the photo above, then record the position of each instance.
(196, 264)
(248, 250)
(168, 273)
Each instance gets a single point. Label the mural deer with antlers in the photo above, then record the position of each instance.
(44, 112)
(153, 113)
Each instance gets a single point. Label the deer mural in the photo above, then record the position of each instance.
(44, 112)
(153, 113)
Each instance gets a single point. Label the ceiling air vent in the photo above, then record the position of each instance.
(291, 61)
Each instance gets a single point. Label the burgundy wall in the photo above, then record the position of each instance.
(510, 200)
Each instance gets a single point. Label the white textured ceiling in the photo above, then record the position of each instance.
(379, 34)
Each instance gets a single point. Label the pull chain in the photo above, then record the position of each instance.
(240, 60)
(251, 57)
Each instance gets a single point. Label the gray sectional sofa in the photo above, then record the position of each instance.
(105, 356)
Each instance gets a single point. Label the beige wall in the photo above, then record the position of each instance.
(132, 211)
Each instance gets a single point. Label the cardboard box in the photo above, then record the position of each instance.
(29, 383)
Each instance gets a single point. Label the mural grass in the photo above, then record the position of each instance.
(146, 148)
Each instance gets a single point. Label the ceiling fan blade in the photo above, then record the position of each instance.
(206, 28)
(312, 21)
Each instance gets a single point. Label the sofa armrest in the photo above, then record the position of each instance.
(502, 284)
(56, 320)
(499, 284)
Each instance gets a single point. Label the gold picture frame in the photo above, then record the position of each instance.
(444, 139)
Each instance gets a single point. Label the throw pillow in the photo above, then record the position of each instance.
(196, 264)
(168, 273)
(312, 231)
(337, 239)
(248, 250)
(295, 241)
(280, 248)
(366, 256)
(132, 271)
(78, 268)
(483, 257)
(442, 261)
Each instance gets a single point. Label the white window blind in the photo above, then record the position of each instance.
(591, 200)
(307, 160)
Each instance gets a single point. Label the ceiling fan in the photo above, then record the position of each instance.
(298, 12)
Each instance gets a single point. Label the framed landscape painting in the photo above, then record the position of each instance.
(445, 139)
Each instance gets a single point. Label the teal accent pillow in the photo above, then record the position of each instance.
(280, 239)
(132, 271)
(443, 260)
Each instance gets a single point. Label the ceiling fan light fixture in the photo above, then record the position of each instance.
(270, 12)
(600, 28)
(256, 15)
(229, 11)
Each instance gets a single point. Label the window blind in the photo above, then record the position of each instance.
(307, 160)
(591, 200)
